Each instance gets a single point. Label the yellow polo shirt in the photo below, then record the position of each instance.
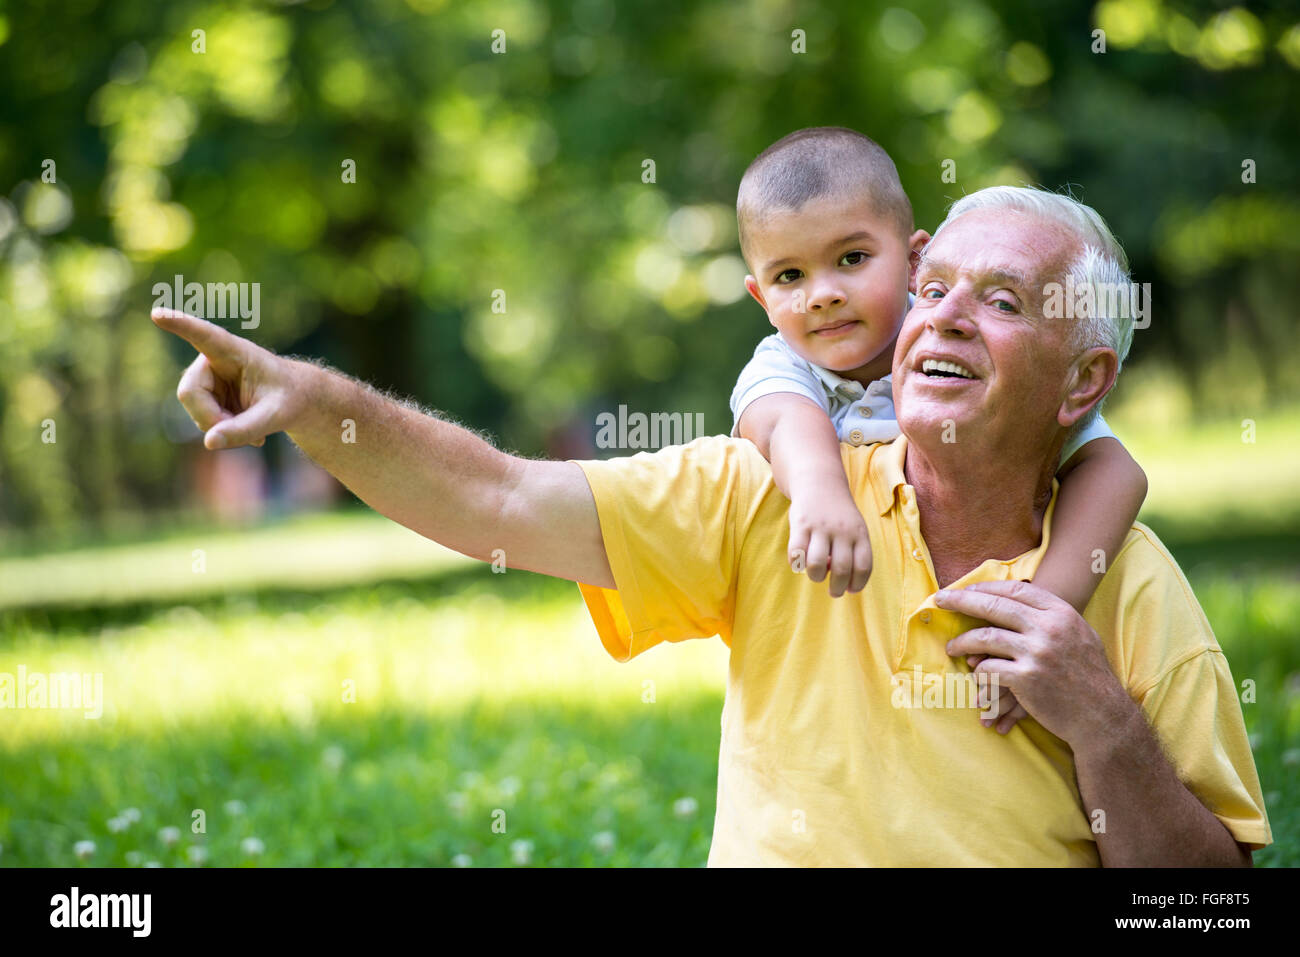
(845, 736)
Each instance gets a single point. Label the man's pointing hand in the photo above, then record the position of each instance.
(235, 391)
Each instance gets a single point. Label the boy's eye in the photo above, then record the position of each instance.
(787, 276)
(853, 258)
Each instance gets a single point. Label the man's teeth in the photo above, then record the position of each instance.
(951, 368)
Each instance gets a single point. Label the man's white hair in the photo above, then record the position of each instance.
(1101, 264)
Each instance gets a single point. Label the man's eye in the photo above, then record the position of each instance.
(938, 293)
(788, 276)
(853, 258)
(1004, 305)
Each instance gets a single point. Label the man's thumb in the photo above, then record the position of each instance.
(247, 428)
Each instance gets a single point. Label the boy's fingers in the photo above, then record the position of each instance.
(1006, 701)
(208, 338)
(797, 550)
(1009, 720)
(818, 556)
(841, 565)
(861, 564)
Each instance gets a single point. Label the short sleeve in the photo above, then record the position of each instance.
(1097, 429)
(671, 522)
(1197, 716)
(1164, 651)
(774, 368)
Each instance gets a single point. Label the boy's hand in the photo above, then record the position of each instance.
(1010, 710)
(827, 534)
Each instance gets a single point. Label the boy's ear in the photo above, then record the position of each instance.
(920, 239)
(751, 287)
(1094, 374)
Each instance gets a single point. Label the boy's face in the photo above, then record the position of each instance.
(833, 278)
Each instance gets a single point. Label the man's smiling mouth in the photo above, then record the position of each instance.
(937, 368)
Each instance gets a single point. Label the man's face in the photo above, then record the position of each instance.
(975, 351)
(832, 277)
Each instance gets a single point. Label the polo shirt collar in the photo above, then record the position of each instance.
(892, 475)
(893, 478)
(836, 384)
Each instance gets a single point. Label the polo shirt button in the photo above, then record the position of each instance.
(916, 553)
(925, 617)
(866, 413)
(856, 436)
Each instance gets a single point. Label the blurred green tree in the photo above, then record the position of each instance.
(575, 164)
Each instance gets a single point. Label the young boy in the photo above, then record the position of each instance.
(826, 231)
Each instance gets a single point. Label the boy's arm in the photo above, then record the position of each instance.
(826, 529)
(1102, 490)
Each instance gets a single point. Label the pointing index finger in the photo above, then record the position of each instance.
(209, 338)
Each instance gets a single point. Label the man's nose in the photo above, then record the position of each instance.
(952, 314)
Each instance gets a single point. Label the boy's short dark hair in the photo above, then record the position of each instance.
(816, 162)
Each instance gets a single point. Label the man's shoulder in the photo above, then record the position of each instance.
(1144, 557)
(1145, 611)
(710, 454)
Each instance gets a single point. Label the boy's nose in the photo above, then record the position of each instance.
(824, 298)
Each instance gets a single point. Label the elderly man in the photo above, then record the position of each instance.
(1136, 753)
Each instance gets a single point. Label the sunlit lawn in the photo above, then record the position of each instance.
(488, 727)
(482, 695)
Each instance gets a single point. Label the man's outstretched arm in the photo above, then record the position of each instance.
(428, 474)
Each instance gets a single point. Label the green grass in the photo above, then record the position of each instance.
(474, 695)
(478, 695)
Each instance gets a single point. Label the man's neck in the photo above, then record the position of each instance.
(976, 507)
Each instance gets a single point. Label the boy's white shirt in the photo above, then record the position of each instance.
(861, 414)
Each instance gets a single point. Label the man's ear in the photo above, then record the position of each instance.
(1094, 374)
(920, 239)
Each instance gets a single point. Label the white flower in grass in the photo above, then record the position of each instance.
(1291, 756)
(130, 815)
(462, 860)
(603, 841)
(196, 853)
(521, 852)
(509, 786)
(458, 802)
(117, 825)
(252, 846)
(83, 849)
(133, 858)
(685, 807)
(333, 757)
(169, 835)
(235, 808)
(152, 864)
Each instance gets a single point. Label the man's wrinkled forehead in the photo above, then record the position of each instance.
(1005, 247)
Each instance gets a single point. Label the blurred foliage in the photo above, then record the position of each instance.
(522, 171)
